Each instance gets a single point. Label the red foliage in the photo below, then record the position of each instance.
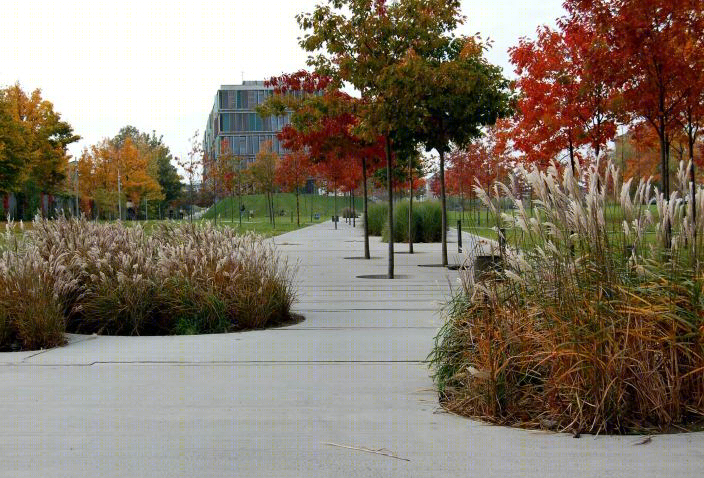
(292, 170)
(565, 102)
(323, 127)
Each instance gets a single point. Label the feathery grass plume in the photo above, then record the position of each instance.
(597, 325)
(86, 277)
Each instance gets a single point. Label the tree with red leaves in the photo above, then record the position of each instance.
(292, 171)
(323, 120)
(565, 102)
(644, 47)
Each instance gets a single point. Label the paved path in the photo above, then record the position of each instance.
(266, 403)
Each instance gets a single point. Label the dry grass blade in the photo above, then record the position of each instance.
(379, 451)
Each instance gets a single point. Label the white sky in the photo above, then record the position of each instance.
(157, 64)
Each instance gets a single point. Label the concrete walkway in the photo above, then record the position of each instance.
(269, 403)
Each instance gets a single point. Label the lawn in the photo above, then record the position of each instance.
(481, 222)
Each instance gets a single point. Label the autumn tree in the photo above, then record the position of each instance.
(43, 145)
(263, 172)
(565, 100)
(136, 182)
(193, 166)
(112, 171)
(363, 43)
(456, 95)
(292, 172)
(13, 150)
(323, 122)
(644, 42)
(159, 162)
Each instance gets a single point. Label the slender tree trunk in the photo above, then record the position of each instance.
(410, 206)
(391, 208)
(215, 201)
(191, 211)
(298, 210)
(664, 166)
(273, 210)
(366, 209)
(665, 172)
(572, 165)
(691, 140)
(268, 205)
(239, 188)
(443, 201)
(354, 211)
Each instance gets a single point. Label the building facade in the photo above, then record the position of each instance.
(234, 123)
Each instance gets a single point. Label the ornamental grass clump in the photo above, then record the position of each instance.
(596, 323)
(427, 222)
(84, 277)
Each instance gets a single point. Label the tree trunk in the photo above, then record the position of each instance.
(410, 207)
(354, 211)
(664, 166)
(391, 208)
(273, 211)
(665, 172)
(572, 165)
(298, 210)
(691, 140)
(268, 205)
(190, 213)
(366, 210)
(443, 203)
(239, 188)
(335, 208)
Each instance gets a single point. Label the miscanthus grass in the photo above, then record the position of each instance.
(79, 276)
(593, 325)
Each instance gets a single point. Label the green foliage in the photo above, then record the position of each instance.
(87, 277)
(377, 218)
(427, 222)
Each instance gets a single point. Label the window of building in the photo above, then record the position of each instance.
(227, 122)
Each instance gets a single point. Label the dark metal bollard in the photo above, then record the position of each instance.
(459, 235)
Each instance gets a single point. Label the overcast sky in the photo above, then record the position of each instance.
(157, 64)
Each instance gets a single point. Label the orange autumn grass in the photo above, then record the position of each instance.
(585, 331)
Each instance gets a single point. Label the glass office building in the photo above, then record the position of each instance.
(234, 122)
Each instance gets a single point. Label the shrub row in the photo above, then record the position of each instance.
(426, 221)
(84, 277)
